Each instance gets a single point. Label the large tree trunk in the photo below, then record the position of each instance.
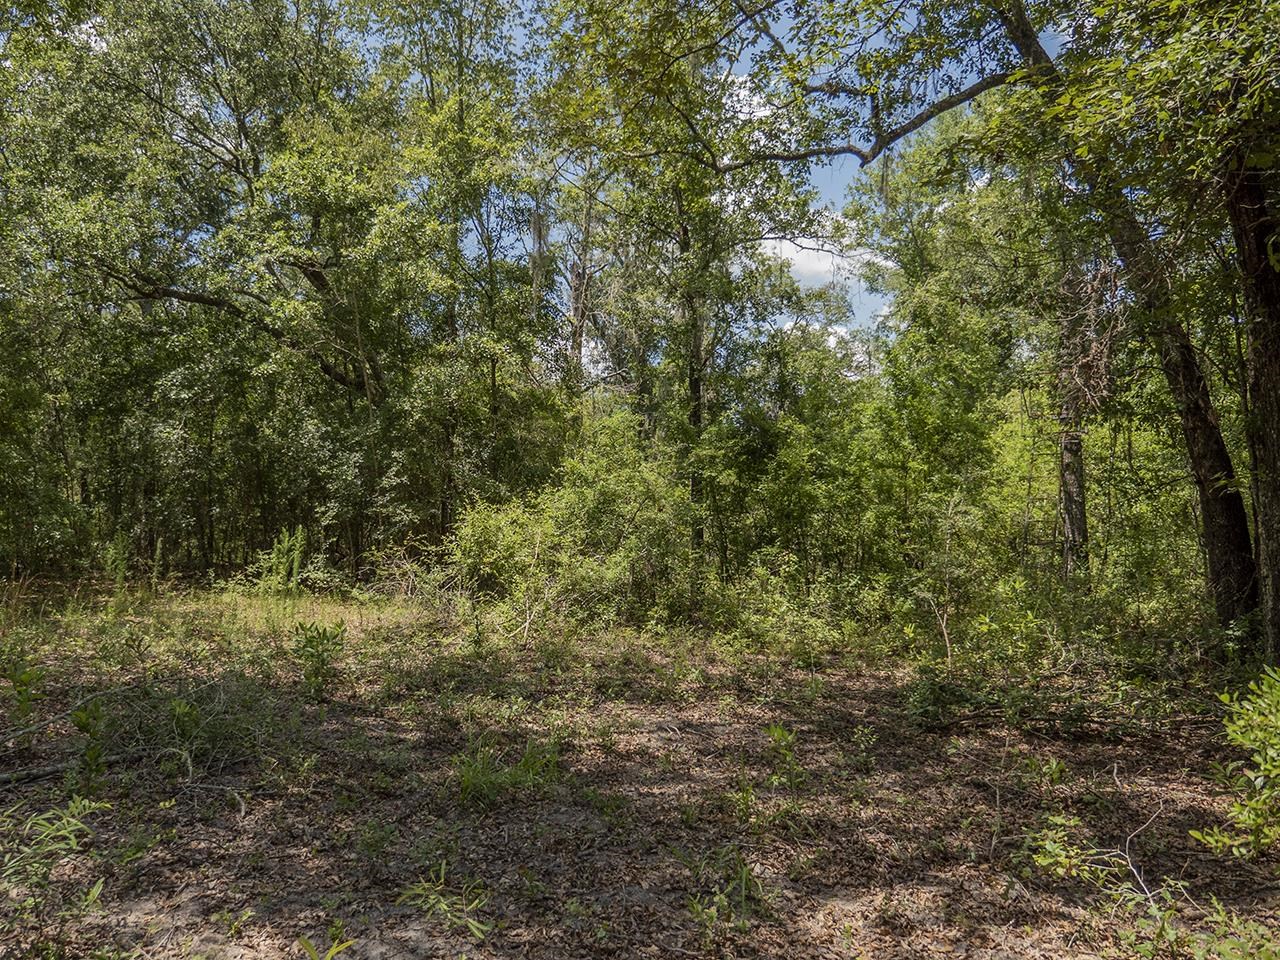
(1228, 551)
(1257, 235)
(1231, 568)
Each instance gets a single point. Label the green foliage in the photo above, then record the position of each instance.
(1253, 725)
(317, 648)
(32, 844)
(782, 744)
(610, 541)
(312, 952)
(90, 721)
(486, 778)
(25, 680)
(1158, 929)
(455, 903)
(731, 894)
(280, 568)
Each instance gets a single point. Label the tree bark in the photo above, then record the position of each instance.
(1232, 573)
(1256, 230)
(1071, 502)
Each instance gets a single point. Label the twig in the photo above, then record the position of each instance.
(8, 736)
(31, 774)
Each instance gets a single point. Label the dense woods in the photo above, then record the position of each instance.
(367, 361)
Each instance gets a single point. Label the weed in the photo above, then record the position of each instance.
(862, 739)
(456, 904)
(92, 763)
(731, 892)
(234, 923)
(316, 648)
(612, 807)
(1041, 773)
(24, 680)
(31, 845)
(375, 838)
(782, 745)
(311, 952)
(485, 778)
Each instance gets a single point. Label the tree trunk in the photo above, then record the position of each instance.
(693, 323)
(1072, 349)
(1257, 235)
(697, 405)
(1071, 502)
(1231, 570)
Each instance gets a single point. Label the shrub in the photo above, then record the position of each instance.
(1253, 723)
(611, 540)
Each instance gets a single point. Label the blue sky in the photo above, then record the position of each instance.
(816, 267)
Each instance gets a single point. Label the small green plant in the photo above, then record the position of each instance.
(862, 739)
(732, 893)
(1253, 723)
(316, 648)
(235, 923)
(311, 952)
(31, 845)
(782, 745)
(92, 765)
(24, 680)
(457, 904)
(1041, 773)
(485, 778)
(374, 839)
(742, 801)
(1054, 850)
(1155, 928)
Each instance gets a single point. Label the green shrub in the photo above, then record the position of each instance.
(1253, 723)
(317, 648)
(611, 540)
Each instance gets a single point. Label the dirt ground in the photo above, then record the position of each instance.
(609, 804)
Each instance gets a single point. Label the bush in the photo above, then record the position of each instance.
(1253, 723)
(611, 540)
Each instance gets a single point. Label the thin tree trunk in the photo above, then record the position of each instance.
(697, 401)
(1257, 235)
(1072, 348)
(1071, 502)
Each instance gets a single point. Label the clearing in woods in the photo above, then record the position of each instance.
(417, 790)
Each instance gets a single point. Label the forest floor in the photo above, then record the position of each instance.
(425, 795)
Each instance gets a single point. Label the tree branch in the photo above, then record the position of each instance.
(885, 140)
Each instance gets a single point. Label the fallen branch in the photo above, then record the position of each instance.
(32, 774)
(11, 735)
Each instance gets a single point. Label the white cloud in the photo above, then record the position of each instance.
(808, 265)
(813, 264)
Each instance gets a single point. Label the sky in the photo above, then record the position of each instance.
(815, 267)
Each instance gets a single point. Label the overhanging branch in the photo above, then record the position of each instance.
(868, 152)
